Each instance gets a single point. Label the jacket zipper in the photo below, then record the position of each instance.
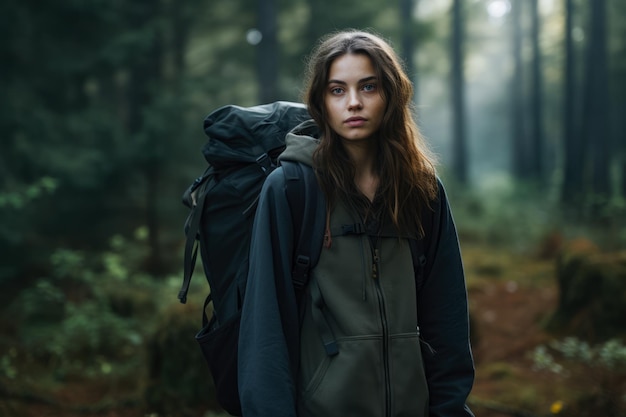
(383, 317)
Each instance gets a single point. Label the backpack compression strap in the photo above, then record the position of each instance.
(191, 243)
(307, 206)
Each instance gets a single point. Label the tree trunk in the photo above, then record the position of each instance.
(518, 134)
(144, 74)
(537, 144)
(623, 165)
(572, 186)
(459, 146)
(316, 13)
(267, 51)
(618, 90)
(408, 40)
(596, 108)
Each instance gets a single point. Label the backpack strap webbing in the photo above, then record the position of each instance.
(195, 196)
(422, 248)
(307, 212)
(418, 254)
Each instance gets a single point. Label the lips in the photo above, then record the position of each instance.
(355, 121)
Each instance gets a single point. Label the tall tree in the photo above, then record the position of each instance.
(145, 72)
(330, 15)
(518, 134)
(618, 86)
(407, 38)
(459, 138)
(596, 103)
(536, 160)
(267, 51)
(571, 188)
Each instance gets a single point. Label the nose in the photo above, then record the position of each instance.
(354, 101)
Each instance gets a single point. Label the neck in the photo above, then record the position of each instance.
(363, 155)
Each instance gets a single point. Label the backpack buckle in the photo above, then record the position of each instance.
(300, 271)
(265, 163)
(353, 229)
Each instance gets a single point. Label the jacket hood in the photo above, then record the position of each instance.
(300, 143)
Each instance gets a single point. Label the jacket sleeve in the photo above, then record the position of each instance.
(268, 338)
(443, 318)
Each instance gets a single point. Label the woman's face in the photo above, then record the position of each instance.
(353, 98)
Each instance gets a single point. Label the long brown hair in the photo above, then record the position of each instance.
(405, 167)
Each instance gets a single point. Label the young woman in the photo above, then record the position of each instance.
(368, 339)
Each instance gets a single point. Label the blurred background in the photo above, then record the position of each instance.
(101, 112)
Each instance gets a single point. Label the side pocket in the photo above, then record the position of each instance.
(410, 395)
(219, 347)
(318, 376)
(426, 348)
(347, 384)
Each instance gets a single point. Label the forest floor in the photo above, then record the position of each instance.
(511, 296)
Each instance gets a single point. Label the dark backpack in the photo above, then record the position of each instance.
(242, 149)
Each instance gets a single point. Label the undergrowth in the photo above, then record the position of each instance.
(599, 371)
(89, 318)
(520, 216)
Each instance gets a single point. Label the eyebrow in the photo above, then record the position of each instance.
(362, 80)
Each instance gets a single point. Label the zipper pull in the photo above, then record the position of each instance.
(375, 265)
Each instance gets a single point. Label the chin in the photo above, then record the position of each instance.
(359, 135)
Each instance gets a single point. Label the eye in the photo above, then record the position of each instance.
(336, 90)
(369, 87)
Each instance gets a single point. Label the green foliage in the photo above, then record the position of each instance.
(18, 202)
(77, 120)
(503, 212)
(519, 215)
(43, 303)
(592, 293)
(95, 331)
(610, 355)
(91, 312)
(543, 360)
(88, 335)
(604, 365)
(18, 199)
(178, 374)
(8, 368)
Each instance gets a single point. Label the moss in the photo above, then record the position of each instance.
(179, 376)
(499, 371)
(592, 294)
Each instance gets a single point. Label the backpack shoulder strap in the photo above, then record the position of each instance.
(418, 253)
(420, 248)
(307, 206)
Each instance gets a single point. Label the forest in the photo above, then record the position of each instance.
(101, 118)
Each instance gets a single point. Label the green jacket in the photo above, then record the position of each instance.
(366, 290)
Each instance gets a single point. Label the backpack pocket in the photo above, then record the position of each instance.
(219, 345)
